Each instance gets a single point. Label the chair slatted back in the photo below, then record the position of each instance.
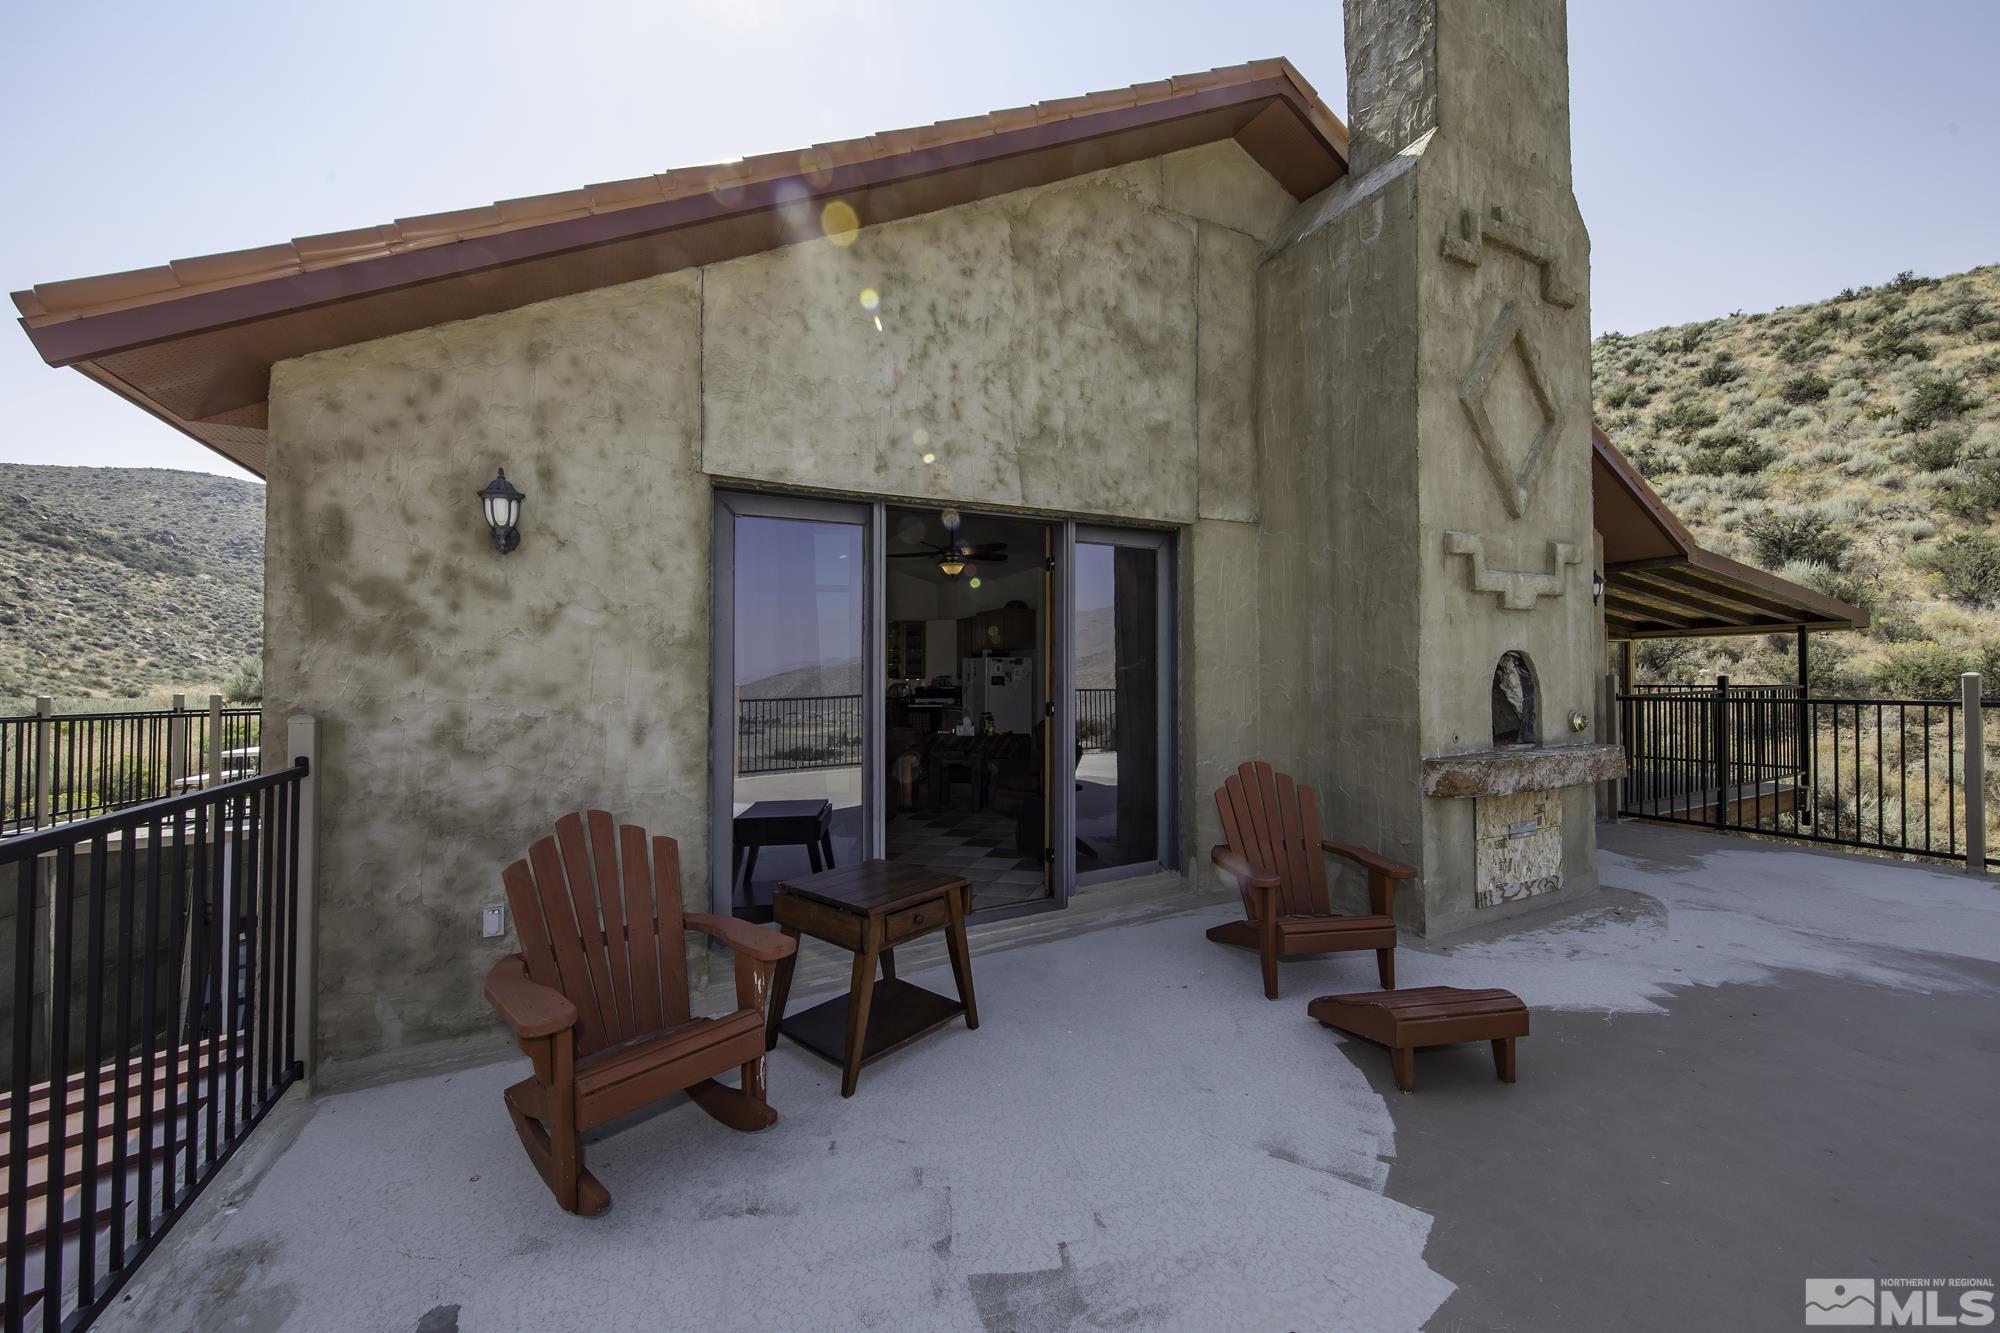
(1274, 825)
(600, 921)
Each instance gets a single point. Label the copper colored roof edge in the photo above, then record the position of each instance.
(52, 303)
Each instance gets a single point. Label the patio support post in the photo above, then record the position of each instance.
(1802, 724)
(1975, 775)
(302, 742)
(1612, 733)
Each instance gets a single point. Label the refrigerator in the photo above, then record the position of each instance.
(1002, 686)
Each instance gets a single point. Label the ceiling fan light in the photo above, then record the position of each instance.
(951, 565)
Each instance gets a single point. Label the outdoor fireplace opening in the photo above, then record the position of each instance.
(1514, 701)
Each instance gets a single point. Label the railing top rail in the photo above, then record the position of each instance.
(1698, 692)
(24, 846)
(126, 714)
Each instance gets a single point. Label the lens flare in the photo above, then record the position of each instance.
(972, 582)
(929, 457)
(871, 300)
(840, 222)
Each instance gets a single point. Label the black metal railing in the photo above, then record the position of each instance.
(1097, 719)
(154, 953)
(1876, 774)
(59, 767)
(812, 731)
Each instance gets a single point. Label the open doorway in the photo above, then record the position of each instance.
(967, 716)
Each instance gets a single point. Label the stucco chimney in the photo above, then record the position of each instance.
(1494, 73)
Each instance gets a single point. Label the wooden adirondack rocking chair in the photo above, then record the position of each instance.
(598, 997)
(1277, 858)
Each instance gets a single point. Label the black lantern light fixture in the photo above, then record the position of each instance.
(1596, 587)
(502, 506)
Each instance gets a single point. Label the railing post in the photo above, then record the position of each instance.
(177, 745)
(302, 742)
(1721, 747)
(45, 753)
(1975, 774)
(1610, 731)
(214, 740)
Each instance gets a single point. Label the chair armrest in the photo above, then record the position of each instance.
(766, 946)
(1361, 856)
(1233, 864)
(530, 1008)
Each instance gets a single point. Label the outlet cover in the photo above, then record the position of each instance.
(493, 920)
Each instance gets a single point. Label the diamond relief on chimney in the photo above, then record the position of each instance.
(1514, 412)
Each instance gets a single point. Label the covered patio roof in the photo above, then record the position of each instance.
(1661, 584)
(193, 341)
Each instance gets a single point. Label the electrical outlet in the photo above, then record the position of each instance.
(493, 920)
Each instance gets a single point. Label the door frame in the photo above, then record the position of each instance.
(1167, 716)
(729, 506)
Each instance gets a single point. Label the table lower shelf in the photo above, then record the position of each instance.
(898, 1014)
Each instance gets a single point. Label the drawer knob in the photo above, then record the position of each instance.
(918, 919)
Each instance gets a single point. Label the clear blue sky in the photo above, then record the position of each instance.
(1728, 155)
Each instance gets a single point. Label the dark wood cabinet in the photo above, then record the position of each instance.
(1010, 629)
(906, 650)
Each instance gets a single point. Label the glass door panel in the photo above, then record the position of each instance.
(1120, 665)
(792, 587)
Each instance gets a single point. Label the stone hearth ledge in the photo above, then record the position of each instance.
(1521, 768)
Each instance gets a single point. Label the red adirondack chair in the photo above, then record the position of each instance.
(598, 997)
(1277, 858)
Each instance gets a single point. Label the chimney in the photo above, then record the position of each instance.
(1493, 74)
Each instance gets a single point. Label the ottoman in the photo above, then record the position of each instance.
(1403, 1020)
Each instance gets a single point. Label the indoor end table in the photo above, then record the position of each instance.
(869, 909)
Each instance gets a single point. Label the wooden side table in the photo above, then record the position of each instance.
(869, 909)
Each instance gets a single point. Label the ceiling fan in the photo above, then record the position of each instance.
(954, 557)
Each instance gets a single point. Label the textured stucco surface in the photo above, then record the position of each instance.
(1085, 348)
(1136, 1137)
(1072, 348)
(1369, 331)
(466, 700)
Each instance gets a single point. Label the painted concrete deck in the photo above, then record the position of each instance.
(1750, 1065)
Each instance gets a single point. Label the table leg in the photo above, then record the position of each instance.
(860, 993)
(888, 965)
(1503, 1059)
(1403, 1061)
(812, 855)
(750, 866)
(961, 954)
(826, 849)
(781, 989)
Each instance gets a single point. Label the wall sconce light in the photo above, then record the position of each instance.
(1596, 587)
(502, 506)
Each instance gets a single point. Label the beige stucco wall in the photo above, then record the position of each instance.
(1084, 348)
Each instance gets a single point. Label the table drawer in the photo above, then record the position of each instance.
(818, 920)
(911, 922)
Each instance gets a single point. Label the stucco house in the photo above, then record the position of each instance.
(1000, 483)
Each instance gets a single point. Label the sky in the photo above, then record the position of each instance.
(1729, 154)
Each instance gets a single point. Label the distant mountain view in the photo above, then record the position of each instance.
(1093, 648)
(127, 582)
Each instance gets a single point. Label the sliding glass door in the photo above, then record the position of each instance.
(791, 708)
(1122, 676)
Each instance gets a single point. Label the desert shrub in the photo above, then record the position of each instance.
(1893, 339)
(1967, 566)
(1808, 535)
(1847, 587)
(1921, 670)
(1730, 453)
(246, 686)
(1688, 339)
(1936, 449)
(1935, 398)
(1976, 494)
(1719, 370)
(1806, 388)
(1682, 419)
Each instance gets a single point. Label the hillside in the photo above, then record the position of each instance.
(127, 582)
(1852, 445)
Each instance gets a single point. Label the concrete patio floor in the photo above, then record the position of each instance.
(1750, 1065)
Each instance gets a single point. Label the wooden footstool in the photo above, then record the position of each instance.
(1403, 1020)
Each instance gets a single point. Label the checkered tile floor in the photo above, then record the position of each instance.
(976, 844)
